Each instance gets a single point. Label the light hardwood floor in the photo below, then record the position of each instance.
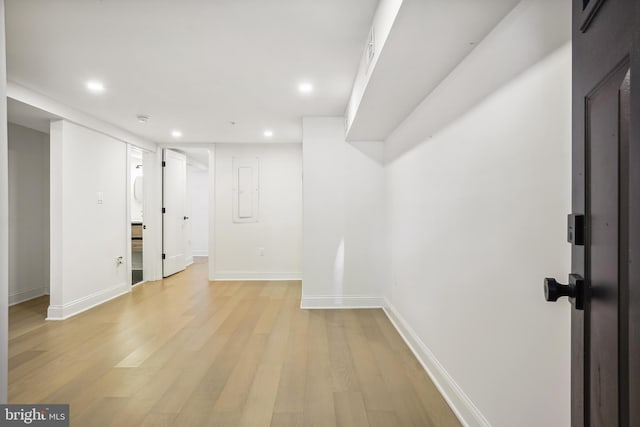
(187, 352)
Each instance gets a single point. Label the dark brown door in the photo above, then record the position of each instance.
(606, 190)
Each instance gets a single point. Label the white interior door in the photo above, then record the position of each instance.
(188, 229)
(148, 261)
(174, 187)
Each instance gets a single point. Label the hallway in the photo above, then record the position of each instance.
(184, 351)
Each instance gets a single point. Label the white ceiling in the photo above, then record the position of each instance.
(194, 65)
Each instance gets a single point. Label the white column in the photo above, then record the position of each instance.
(55, 215)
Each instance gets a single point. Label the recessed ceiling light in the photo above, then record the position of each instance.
(95, 86)
(305, 88)
(268, 133)
(176, 134)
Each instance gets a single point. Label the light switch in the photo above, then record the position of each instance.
(100, 195)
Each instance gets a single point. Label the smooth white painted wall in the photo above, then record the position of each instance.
(345, 250)
(86, 237)
(477, 217)
(279, 227)
(198, 188)
(4, 217)
(28, 213)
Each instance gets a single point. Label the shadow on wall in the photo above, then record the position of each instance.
(374, 150)
(465, 87)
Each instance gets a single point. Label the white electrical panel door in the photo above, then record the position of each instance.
(246, 189)
(174, 188)
(245, 192)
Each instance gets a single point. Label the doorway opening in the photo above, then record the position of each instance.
(186, 195)
(136, 174)
(197, 206)
(28, 221)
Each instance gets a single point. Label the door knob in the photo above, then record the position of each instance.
(554, 290)
(574, 290)
(186, 218)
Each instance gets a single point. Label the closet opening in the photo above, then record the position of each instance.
(29, 214)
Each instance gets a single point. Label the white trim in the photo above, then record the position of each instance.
(340, 301)
(255, 275)
(188, 261)
(26, 295)
(468, 414)
(138, 283)
(61, 312)
(201, 253)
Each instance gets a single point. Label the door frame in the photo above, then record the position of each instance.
(145, 209)
(211, 148)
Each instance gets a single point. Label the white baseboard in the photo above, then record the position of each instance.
(61, 312)
(26, 295)
(255, 275)
(200, 253)
(349, 301)
(468, 414)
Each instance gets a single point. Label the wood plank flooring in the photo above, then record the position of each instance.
(188, 352)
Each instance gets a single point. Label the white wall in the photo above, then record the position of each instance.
(198, 189)
(344, 218)
(279, 228)
(477, 217)
(87, 237)
(28, 213)
(4, 216)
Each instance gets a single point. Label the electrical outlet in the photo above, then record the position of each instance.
(261, 251)
(100, 196)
